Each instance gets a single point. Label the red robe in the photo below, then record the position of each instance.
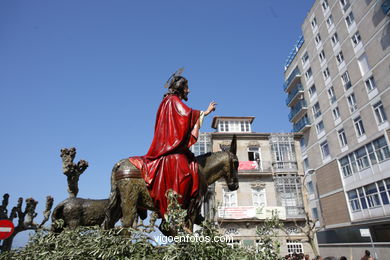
(169, 164)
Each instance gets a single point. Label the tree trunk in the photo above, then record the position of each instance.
(314, 247)
(7, 243)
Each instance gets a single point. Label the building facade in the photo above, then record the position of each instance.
(337, 81)
(270, 178)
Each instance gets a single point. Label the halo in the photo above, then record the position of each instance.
(176, 74)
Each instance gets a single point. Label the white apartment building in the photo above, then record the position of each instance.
(337, 80)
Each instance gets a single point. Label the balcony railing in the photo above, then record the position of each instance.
(301, 124)
(294, 52)
(255, 167)
(293, 93)
(285, 166)
(295, 212)
(295, 73)
(297, 108)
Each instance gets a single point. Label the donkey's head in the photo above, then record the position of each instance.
(231, 175)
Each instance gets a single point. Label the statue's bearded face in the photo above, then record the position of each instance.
(185, 93)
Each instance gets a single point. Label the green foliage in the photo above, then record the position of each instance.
(120, 243)
(268, 231)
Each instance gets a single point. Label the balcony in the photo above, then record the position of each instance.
(255, 213)
(302, 125)
(294, 52)
(294, 77)
(255, 167)
(295, 212)
(298, 110)
(294, 95)
(285, 166)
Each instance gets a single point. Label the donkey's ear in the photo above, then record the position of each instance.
(233, 145)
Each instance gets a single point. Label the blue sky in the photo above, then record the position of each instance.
(90, 74)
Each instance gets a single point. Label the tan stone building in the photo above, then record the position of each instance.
(337, 80)
(270, 180)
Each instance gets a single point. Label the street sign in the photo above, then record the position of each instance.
(365, 232)
(6, 228)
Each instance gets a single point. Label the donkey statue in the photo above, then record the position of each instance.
(130, 198)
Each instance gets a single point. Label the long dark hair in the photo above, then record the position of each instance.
(177, 86)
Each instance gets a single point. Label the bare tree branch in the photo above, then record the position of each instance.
(25, 218)
(3, 207)
(72, 170)
(47, 212)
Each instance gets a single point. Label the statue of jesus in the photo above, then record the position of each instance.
(169, 163)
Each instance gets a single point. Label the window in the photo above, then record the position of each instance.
(345, 166)
(305, 58)
(229, 198)
(258, 197)
(356, 38)
(245, 126)
(310, 187)
(361, 158)
(289, 193)
(234, 126)
(344, 4)
(349, 19)
(340, 57)
(331, 95)
(325, 5)
(322, 55)
(314, 212)
(353, 200)
(352, 103)
(294, 247)
(362, 198)
(318, 39)
(382, 189)
(342, 138)
(203, 145)
(306, 164)
(320, 127)
(380, 112)
(329, 21)
(370, 84)
(236, 243)
(372, 195)
(224, 126)
(325, 149)
(302, 142)
(312, 90)
(254, 154)
(336, 113)
(363, 64)
(283, 152)
(308, 74)
(334, 39)
(346, 80)
(314, 23)
(326, 73)
(359, 126)
(316, 110)
(382, 151)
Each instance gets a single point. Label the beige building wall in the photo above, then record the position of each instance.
(244, 230)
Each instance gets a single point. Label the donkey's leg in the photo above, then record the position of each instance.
(129, 197)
